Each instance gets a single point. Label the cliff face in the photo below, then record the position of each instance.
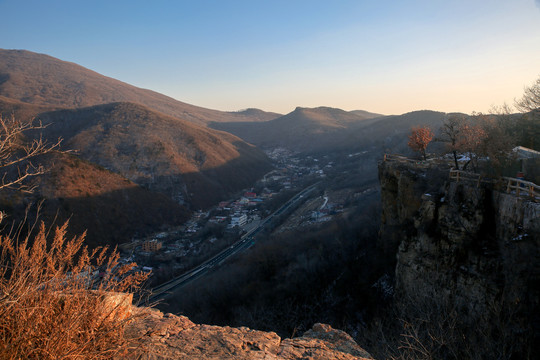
(167, 336)
(462, 244)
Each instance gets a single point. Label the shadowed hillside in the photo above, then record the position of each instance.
(43, 80)
(110, 207)
(390, 133)
(21, 110)
(184, 161)
(303, 129)
(326, 129)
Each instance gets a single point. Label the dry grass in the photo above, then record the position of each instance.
(52, 303)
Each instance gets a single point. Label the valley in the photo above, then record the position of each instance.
(298, 193)
(277, 222)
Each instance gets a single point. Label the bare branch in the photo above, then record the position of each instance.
(531, 98)
(17, 153)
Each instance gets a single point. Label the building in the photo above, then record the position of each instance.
(152, 245)
(224, 204)
(239, 220)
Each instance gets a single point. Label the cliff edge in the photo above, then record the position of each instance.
(467, 249)
(167, 336)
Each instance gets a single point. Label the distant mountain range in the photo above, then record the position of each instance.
(303, 129)
(325, 129)
(152, 144)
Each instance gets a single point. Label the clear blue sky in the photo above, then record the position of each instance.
(383, 56)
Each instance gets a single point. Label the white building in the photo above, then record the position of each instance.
(239, 220)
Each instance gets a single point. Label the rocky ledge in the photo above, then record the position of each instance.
(167, 336)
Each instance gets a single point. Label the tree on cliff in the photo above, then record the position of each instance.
(470, 141)
(450, 133)
(528, 126)
(477, 136)
(531, 98)
(419, 139)
(498, 138)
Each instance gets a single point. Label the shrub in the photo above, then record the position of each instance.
(53, 304)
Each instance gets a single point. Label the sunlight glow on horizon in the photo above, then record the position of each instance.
(383, 57)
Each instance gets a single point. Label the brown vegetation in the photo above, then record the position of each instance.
(419, 139)
(53, 298)
(161, 153)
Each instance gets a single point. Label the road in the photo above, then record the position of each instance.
(245, 242)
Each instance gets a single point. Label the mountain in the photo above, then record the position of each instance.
(139, 160)
(189, 163)
(326, 129)
(21, 110)
(390, 133)
(109, 207)
(257, 115)
(304, 129)
(366, 114)
(43, 80)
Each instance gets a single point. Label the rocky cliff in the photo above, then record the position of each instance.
(167, 336)
(465, 248)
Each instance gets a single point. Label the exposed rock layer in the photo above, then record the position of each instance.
(167, 336)
(468, 245)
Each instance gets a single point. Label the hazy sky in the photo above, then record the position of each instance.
(383, 56)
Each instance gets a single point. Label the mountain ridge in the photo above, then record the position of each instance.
(157, 151)
(323, 129)
(41, 79)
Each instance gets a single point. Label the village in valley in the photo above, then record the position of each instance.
(174, 251)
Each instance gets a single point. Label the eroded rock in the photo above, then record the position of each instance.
(167, 336)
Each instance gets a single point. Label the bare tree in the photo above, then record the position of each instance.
(531, 98)
(17, 153)
(470, 141)
(450, 133)
(529, 125)
(498, 140)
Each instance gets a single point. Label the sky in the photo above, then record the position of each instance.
(383, 56)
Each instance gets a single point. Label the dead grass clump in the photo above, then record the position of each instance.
(55, 298)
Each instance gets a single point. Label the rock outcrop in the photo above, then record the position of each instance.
(167, 336)
(466, 245)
